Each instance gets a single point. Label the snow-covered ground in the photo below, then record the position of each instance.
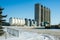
(24, 35)
(29, 36)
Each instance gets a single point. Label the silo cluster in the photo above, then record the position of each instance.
(42, 15)
(29, 22)
(22, 22)
(16, 21)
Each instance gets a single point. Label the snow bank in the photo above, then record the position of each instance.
(29, 36)
(33, 36)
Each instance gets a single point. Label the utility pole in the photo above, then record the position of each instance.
(1, 21)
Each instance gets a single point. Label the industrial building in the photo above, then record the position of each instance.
(22, 22)
(42, 15)
(42, 18)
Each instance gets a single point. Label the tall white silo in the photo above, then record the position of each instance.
(30, 22)
(26, 21)
(18, 21)
(15, 21)
(11, 21)
(33, 22)
(22, 22)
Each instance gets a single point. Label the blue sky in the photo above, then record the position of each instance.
(25, 8)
